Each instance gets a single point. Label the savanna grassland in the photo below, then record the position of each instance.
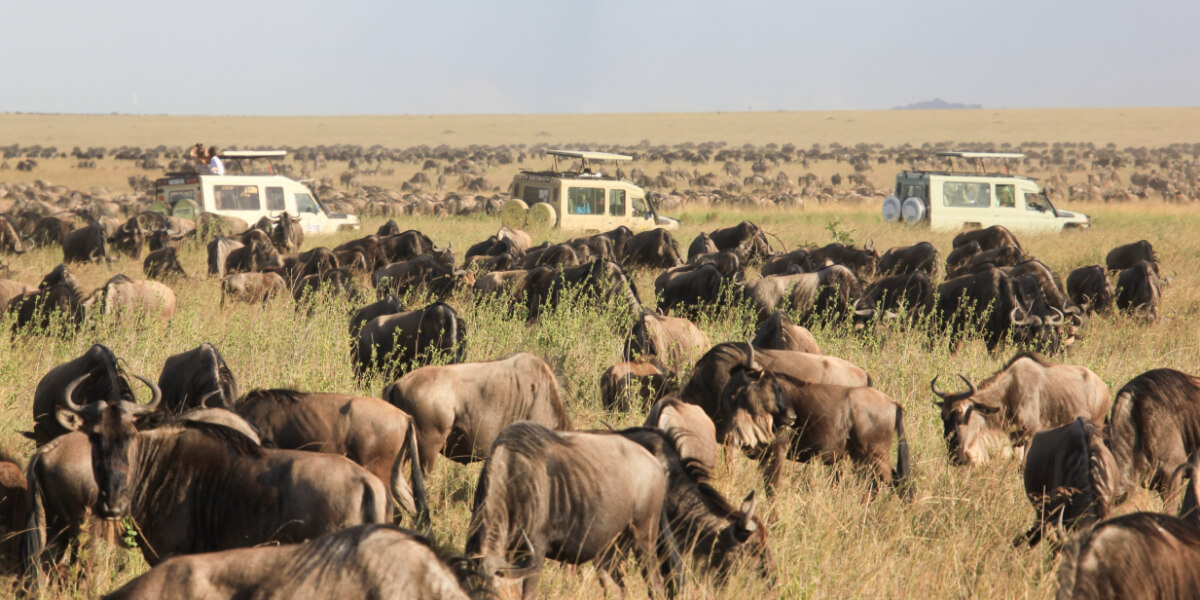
(829, 537)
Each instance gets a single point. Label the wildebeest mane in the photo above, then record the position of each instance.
(230, 438)
(278, 395)
(694, 471)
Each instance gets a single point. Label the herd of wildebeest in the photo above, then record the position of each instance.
(209, 474)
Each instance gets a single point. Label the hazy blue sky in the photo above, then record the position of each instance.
(288, 58)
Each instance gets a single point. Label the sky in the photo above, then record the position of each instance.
(465, 57)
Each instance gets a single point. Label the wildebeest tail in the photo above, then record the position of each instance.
(417, 476)
(370, 504)
(1102, 471)
(670, 560)
(33, 540)
(1069, 568)
(902, 477)
(1122, 434)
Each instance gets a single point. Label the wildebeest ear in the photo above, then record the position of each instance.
(69, 419)
(748, 523)
(985, 409)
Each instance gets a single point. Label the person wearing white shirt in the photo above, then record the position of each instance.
(215, 165)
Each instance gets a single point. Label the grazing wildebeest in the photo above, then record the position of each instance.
(129, 238)
(1026, 396)
(798, 420)
(411, 244)
(702, 244)
(694, 433)
(689, 292)
(104, 372)
(989, 239)
(646, 379)
(1136, 556)
(986, 301)
(389, 343)
(366, 561)
(1139, 290)
(219, 250)
(368, 431)
(861, 262)
(313, 262)
(556, 495)
(961, 254)
(556, 255)
(727, 261)
(783, 264)
(675, 341)
(1124, 257)
(777, 332)
(601, 280)
(257, 253)
(459, 410)
(511, 282)
(654, 248)
(912, 291)
(58, 294)
(1089, 288)
(1004, 256)
(252, 287)
(1070, 478)
(125, 297)
(85, 244)
(333, 282)
(163, 264)
(909, 259)
(387, 306)
(14, 507)
(1152, 429)
(423, 272)
(368, 246)
(831, 290)
(197, 378)
(746, 235)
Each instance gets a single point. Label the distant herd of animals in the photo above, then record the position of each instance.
(209, 474)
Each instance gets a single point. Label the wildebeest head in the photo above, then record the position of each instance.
(963, 421)
(752, 406)
(111, 426)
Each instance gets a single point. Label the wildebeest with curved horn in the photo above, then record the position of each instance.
(58, 294)
(197, 378)
(163, 264)
(459, 410)
(1089, 288)
(1139, 290)
(1070, 478)
(1024, 397)
(85, 244)
(913, 292)
(1152, 429)
(389, 343)
(777, 332)
(103, 371)
(368, 431)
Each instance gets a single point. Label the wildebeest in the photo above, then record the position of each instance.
(702, 244)
(423, 272)
(459, 410)
(387, 306)
(1134, 556)
(124, 298)
(368, 246)
(861, 262)
(411, 244)
(313, 262)
(1089, 288)
(1128, 255)
(163, 264)
(746, 235)
(909, 259)
(257, 253)
(604, 281)
(368, 431)
(1004, 256)
(675, 341)
(252, 287)
(986, 301)
(912, 291)
(1152, 429)
(654, 248)
(14, 507)
(689, 292)
(128, 238)
(693, 431)
(555, 495)
(1024, 397)
(85, 244)
(103, 372)
(989, 238)
(10, 240)
(57, 294)
(197, 378)
(366, 561)
(829, 291)
(389, 343)
(777, 332)
(783, 264)
(219, 250)
(1139, 290)
(645, 379)
(961, 254)
(10, 289)
(793, 418)
(1070, 478)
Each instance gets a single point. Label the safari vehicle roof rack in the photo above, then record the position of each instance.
(584, 157)
(979, 159)
(252, 154)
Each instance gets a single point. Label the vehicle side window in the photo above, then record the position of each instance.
(1006, 196)
(1034, 202)
(275, 198)
(306, 204)
(965, 194)
(535, 194)
(616, 203)
(237, 197)
(585, 201)
(639, 207)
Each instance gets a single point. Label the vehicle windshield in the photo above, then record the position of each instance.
(1049, 204)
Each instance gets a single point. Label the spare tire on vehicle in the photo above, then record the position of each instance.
(540, 217)
(913, 210)
(891, 209)
(512, 214)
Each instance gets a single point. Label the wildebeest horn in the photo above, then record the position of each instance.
(204, 398)
(1026, 320)
(749, 356)
(69, 390)
(155, 394)
(1057, 320)
(970, 386)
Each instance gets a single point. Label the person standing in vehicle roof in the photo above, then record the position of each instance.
(215, 165)
(200, 157)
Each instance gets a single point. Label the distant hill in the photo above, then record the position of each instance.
(936, 104)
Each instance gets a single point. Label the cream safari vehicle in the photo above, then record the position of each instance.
(580, 198)
(248, 197)
(949, 200)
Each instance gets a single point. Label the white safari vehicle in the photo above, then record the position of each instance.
(580, 198)
(248, 197)
(951, 200)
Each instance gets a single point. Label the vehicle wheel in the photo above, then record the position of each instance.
(891, 209)
(541, 216)
(913, 210)
(512, 214)
(158, 208)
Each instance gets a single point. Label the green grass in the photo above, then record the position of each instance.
(830, 538)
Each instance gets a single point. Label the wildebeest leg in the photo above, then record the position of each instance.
(611, 575)
(775, 456)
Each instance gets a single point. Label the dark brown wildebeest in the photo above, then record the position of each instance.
(913, 292)
(961, 254)
(777, 332)
(654, 248)
(829, 291)
(694, 433)
(85, 244)
(163, 264)
(556, 495)
(389, 228)
(590, 248)
(410, 244)
(798, 420)
(675, 341)
(459, 410)
(556, 256)
(703, 244)
(368, 431)
(123, 298)
(103, 371)
(727, 261)
(1152, 429)
(1089, 288)
(287, 233)
(500, 262)
(510, 283)
(257, 253)
(252, 287)
(129, 238)
(313, 262)
(1004, 256)
(645, 379)
(331, 283)
(603, 281)
(690, 292)
(746, 235)
(1026, 396)
(219, 250)
(986, 302)
(1052, 289)
(387, 306)
(1125, 257)
(783, 264)
(366, 561)
(712, 372)
(197, 378)
(368, 246)
(1136, 556)
(51, 230)
(1139, 290)
(425, 272)
(393, 343)
(620, 236)
(1070, 478)
(989, 239)
(199, 487)
(909, 259)
(14, 507)
(861, 262)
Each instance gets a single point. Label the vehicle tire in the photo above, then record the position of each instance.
(185, 209)
(159, 208)
(512, 214)
(540, 217)
(891, 209)
(913, 210)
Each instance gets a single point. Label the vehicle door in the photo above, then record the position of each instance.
(585, 208)
(617, 209)
(641, 217)
(1004, 204)
(312, 218)
(1036, 214)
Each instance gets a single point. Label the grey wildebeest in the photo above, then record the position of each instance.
(197, 378)
(368, 431)
(645, 379)
(123, 297)
(1152, 429)
(1070, 478)
(556, 495)
(777, 332)
(253, 287)
(831, 290)
(795, 419)
(219, 250)
(459, 410)
(694, 434)
(366, 561)
(675, 341)
(1136, 556)
(391, 343)
(1024, 397)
